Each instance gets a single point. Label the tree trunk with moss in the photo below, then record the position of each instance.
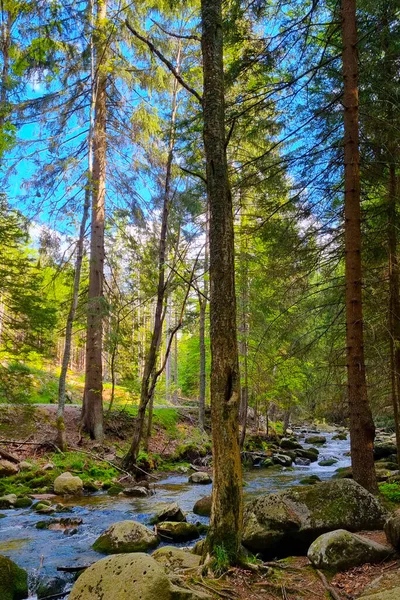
(92, 411)
(362, 429)
(227, 506)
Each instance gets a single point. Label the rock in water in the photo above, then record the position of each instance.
(68, 484)
(13, 580)
(289, 521)
(178, 532)
(290, 444)
(282, 459)
(203, 506)
(170, 512)
(315, 439)
(126, 536)
(200, 477)
(341, 550)
(129, 577)
(8, 501)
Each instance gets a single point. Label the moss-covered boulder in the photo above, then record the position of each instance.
(126, 536)
(200, 477)
(329, 462)
(308, 453)
(68, 484)
(283, 460)
(23, 503)
(176, 559)
(8, 501)
(129, 577)
(384, 449)
(203, 506)
(170, 512)
(341, 550)
(289, 521)
(13, 580)
(310, 480)
(340, 436)
(289, 444)
(315, 439)
(178, 532)
(392, 529)
(7, 468)
(50, 586)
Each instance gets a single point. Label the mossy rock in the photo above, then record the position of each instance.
(129, 577)
(291, 520)
(126, 536)
(178, 532)
(203, 506)
(170, 512)
(23, 503)
(310, 480)
(315, 439)
(343, 473)
(308, 453)
(329, 462)
(176, 559)
(340, 436)
(114, 490)
(341, 550)
(13, 580)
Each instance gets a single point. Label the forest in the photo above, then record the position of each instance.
(199, 300)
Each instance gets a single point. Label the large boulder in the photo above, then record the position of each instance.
(126, 536)
(170, 512)
(392, 529)
(13, 580)
(282, 459)
(200, 477)
(68, 484)
(311, 454)
(128, 577)
(289, 444)
(315, 439)
(289, 521)
(203, 506)
(384, 449)
(8, 501)
(7, 468)
(178, 532)
(176, 559)
(341, 550)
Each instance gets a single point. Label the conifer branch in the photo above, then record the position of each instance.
(164, 60)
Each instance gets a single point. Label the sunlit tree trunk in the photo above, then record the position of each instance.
(92, 413)
(362, 429)
(147, 389)
(227, 507)
(202, 332)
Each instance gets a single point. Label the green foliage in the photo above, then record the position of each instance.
(390, 491)
(220, 562)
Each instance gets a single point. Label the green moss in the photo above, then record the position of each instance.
(390, 491)
(13, 580)
(23, 503)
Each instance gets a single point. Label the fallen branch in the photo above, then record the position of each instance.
(74, 569)
(328, 587)
(8, 456)
(19, 443)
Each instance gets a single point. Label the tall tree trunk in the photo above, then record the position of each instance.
(394, 300)
(202, 332)
(61, 435)
(362, 429)
(147, 387)
(92, 413)
(244, 331)
(227, 502)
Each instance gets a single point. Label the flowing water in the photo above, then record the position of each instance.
(41, 551)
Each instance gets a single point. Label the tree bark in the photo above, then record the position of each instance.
(394, 300)
(92, 413)
(148, 383)
(202, 333)
(244, 329)
(362, 429)
(61, 435)
(227, 503)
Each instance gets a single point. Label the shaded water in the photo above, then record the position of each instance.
(41, 551)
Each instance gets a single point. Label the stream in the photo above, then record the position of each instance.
(41, 551)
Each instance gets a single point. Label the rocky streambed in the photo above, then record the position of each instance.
(40, 551)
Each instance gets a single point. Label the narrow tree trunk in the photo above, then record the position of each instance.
(176, 368)
(202, 332)
(362, 429)
(92, 413)
(61, 435)
(394, 300)
(147, 387)
(227, 503)
(244, 326)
